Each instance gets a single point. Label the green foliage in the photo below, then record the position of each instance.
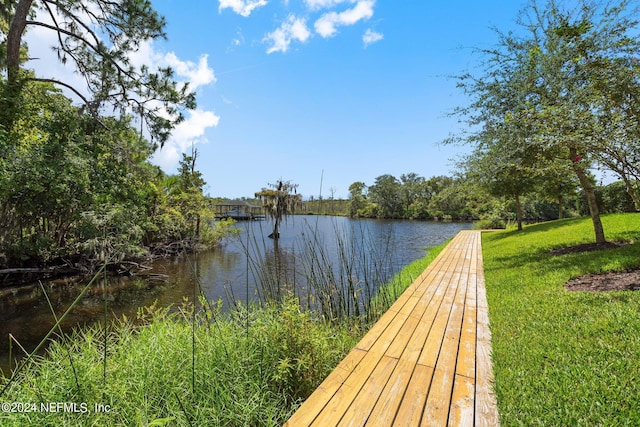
(615, 198)
(491, 223)
(96, 37)
(212, 233)
(563, 358)
(338, 207)
(357, 198)
(252, 367)
(111, 232)
(386, 194)
(71, 187)
(413, 197)
(302, 349)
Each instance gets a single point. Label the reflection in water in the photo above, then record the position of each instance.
(312, 252)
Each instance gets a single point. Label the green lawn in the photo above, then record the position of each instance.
(563, 358)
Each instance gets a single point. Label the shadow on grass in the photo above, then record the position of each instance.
(534, 245)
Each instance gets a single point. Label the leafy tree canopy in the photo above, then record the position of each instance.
(97, 37)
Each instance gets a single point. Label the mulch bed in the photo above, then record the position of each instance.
(612, 281)
(624, 281)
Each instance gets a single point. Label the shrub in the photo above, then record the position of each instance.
(490, 223)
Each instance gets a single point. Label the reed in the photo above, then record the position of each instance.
(29, 356)
(334, 275)
(340, 285)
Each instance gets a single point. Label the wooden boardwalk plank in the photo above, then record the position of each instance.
(319, 398)
(439, 398)
(408, 348)
(485, 401)
(362, 406)
(427, 361)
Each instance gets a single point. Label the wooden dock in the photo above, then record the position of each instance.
(426, 362)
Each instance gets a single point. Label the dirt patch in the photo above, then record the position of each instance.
(624, 281)
(587, 247)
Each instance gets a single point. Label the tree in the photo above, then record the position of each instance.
(190, 199)
(98, 38)
(557, 182)
(502, 173)
(386, 193)
(44, 178)
(65, 182)
(412, 190)
(357, 198)
(279, 201)
(450, 200)
(553, 79)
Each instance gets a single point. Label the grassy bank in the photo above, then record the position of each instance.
(245, 368)
(248, 367)
(560, 357)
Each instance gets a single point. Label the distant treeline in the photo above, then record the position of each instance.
(461, 198)
(458, 198)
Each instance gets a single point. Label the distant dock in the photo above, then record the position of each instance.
(239, 210)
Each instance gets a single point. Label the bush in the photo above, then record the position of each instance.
(490, 223)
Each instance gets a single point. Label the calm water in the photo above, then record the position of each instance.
(226, 273)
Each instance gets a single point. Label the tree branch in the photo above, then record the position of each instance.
(94, 113)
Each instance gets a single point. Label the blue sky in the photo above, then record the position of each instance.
(318, 91)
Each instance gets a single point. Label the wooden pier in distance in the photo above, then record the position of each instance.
(426, 362)
(239, 210)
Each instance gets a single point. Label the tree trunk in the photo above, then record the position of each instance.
(589, 192)
(560, 207)
(276, 230)
(14, 37)
(519, 211)
(14, 41)
(632, 192)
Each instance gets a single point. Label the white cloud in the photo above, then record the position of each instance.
(197, 75)
(327, 24)
(192, 129)
(371, 37)
(324, 4)
(187, 133)
(241, 7)
(292, 29)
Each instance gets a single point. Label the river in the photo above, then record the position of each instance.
(237, 271)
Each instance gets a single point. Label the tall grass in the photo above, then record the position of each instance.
(335, 276)
(563, 358)
(243, 376)
(347, 275)
(341, 285)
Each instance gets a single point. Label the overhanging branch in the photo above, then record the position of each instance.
(84, 99)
